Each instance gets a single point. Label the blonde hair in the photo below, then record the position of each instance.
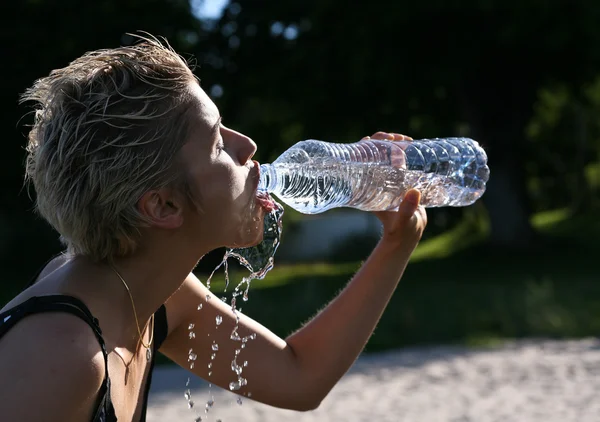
(107, 129)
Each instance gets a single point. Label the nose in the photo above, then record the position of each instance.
(244, 146)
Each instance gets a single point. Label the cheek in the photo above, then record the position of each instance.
(222, 196)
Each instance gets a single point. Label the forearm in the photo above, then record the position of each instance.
(327, 346)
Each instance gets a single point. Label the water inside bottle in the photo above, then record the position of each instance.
(366, 186)
(315, 176)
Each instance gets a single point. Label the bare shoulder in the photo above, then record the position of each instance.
(55, 360)
(53, 265)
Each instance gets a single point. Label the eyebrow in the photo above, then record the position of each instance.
(217, 126)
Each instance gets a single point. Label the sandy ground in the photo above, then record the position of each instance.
(535, 380)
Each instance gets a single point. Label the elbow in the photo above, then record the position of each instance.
(306, 405)
(309, 401)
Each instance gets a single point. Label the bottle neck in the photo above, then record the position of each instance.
(268, 178)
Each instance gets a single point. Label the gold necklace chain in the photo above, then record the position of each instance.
(137, 323)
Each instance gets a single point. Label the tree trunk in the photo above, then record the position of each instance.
(504, 201)
(483, 101)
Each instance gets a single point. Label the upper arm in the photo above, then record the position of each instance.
(52, 369)
(272, 363)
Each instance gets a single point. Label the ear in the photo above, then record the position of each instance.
(162, 208)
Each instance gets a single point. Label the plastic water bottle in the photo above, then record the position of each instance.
(372, 175)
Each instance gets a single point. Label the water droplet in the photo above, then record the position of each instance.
(208, 297)
(245, 363)
(209, 373)
(212, 357)
(210, 403)
(226, 272)
(224, 299)
(187, 394)
(243, 346)
(239, 400)
(192, 365)
(233, 386)
(252, 336)
(199, 306)
(218, 319)
(245, 297)
(215, 347)
(249, 394)
(209, 365)
(192, 335)
(190, 404)
(237, 352)
(191, 327)
(198, 419)
(192, 356)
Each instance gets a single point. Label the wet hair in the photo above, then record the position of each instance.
(107, 129)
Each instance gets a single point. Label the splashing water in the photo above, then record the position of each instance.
(259, 260)
(209, 404)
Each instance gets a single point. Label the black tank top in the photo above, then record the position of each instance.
(105, 411)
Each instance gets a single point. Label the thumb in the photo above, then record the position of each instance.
(410, 203)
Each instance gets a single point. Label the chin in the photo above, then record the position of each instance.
(251, 236)
(246, 243)
(255, 239)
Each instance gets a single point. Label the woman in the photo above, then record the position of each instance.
(134, 168)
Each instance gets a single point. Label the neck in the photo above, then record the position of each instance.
(152, 277)
(153, 273)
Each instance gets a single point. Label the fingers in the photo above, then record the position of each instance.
(389, 136)
(410, 203)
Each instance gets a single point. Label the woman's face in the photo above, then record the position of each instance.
(223, 179)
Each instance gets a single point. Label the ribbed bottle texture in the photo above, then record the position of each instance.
(315, 176)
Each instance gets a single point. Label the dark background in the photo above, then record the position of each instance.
(521, 77)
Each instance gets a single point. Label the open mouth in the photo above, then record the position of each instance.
(265, 201)
(262, 197)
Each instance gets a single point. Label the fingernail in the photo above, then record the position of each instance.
(413, 197)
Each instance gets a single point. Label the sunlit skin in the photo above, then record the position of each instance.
(294, 373)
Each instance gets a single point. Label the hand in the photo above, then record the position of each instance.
(405, 226)
(385, 136)
(397, 157)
